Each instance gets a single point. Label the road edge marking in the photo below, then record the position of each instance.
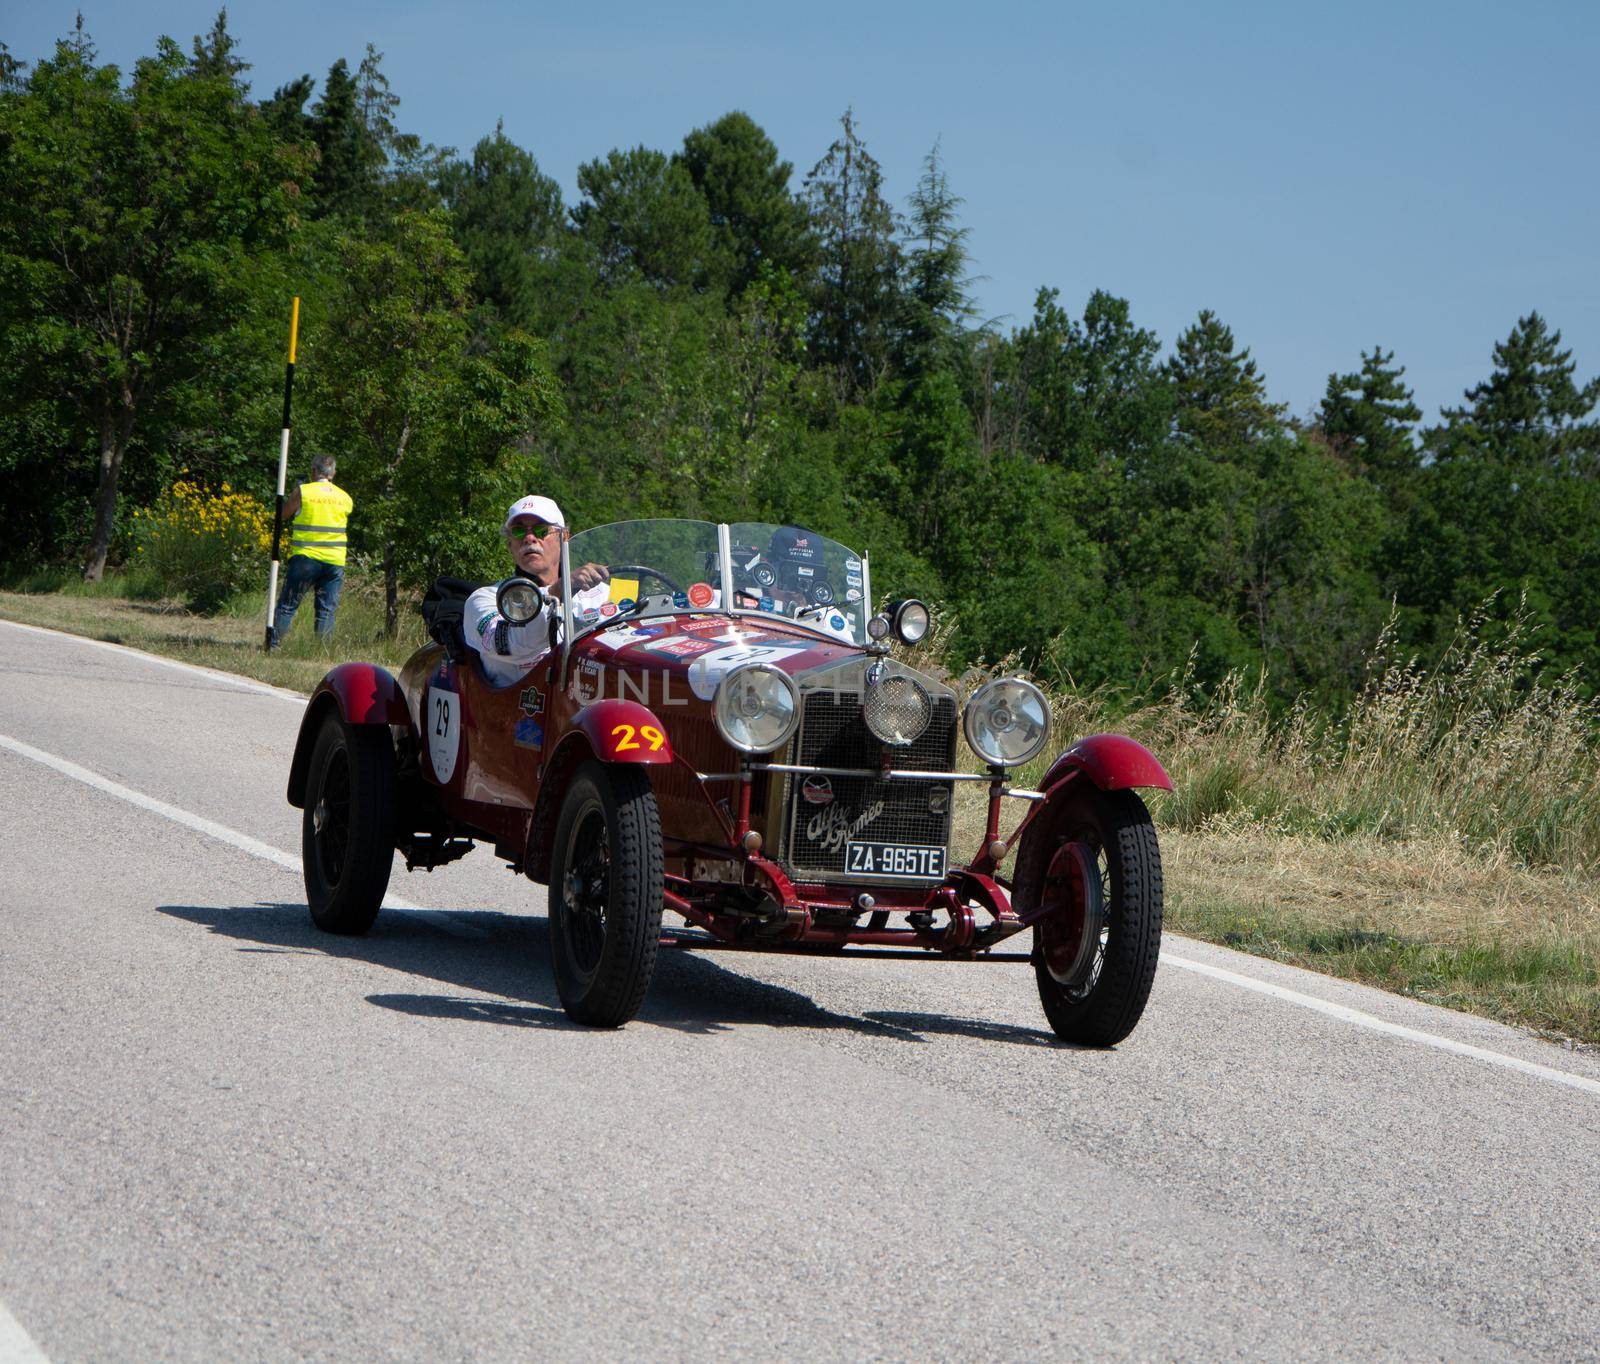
(221, 832)
(1383, 1025)
(217, 674)
(16, 1345)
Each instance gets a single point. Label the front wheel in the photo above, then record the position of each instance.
(1095, 863)
(347, 831)
(606, 894)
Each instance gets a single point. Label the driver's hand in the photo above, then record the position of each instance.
(590, 574)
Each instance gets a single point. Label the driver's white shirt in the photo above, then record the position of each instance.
(508, 650)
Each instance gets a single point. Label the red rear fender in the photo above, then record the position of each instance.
(363, 694)
(1112, 762)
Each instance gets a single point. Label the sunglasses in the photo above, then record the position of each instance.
(521, 531)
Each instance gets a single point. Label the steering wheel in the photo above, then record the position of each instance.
(643, 570)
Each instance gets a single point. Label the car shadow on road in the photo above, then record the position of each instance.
(508, 955)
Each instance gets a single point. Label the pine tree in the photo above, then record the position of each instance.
(854, 297)
(214, 53)
(508, 219)
(341, 182)
(1220, 398)
(643, 216)
(757, 222)
(1369, 420)
(935, 304)
(1530, 413)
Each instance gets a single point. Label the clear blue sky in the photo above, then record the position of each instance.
(1323, 177)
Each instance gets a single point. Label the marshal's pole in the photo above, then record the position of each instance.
(283, 470)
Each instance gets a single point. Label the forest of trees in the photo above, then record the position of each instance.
(709, 332)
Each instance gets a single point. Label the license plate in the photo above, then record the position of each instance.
(925, 861)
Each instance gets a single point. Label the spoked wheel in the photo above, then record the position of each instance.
(347, 831)
(1095, 862)
(606, 894)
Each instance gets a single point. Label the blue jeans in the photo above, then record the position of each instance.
(301, 574)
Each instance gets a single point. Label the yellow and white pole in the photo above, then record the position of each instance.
(283, 470)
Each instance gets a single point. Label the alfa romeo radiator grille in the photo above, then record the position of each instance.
(822, 814)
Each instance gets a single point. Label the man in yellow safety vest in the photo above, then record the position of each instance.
(318, 513)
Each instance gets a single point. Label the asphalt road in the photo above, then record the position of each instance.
(224, 1135)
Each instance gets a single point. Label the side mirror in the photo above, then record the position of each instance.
(519, 600)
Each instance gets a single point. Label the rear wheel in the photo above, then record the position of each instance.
(1095, 863)
(606, 894)
(347, 831)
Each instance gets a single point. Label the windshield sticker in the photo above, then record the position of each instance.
(620, 636)
(589, 613)
(608, 609)
(680, 646)
(529, 734)
(626, 604)
(700, 595)
(681, 600)
(852, 565)
(768, 604)
(852, 594)
(705, 673)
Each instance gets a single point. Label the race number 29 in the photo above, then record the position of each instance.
(443, 723)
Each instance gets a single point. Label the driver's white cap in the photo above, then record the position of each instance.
(542, 507)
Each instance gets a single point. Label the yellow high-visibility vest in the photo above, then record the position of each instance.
(318, 528)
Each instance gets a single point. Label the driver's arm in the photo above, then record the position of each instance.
(506, 648)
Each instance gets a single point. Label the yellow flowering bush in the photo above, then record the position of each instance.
(204, 545)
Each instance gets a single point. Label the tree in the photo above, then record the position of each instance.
(855, 295)
(1220, 398)
(508, 219)
(935, 304)
(643, 216)
(128, 216)
(756, 222)
(1529, 413)
(383, 366)
(1369, 420)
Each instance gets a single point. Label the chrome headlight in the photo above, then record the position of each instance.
(896, 708)
(911, 620)
(756, 708)
(519, 600)
(1007, 721)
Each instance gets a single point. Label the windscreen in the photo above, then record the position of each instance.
(662, 567)
(792, 571)
(652, 568)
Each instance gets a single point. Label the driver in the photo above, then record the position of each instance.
(535, 531)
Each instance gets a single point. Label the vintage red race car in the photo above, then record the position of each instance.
(748, 757)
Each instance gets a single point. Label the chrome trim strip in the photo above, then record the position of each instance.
(874, 772)
(566, 611)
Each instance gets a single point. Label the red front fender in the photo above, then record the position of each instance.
(624, 732)
(1112, 762)
(364, 694)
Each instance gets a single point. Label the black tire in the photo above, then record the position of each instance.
(347, 831)
(605, 894)
(1095, 960)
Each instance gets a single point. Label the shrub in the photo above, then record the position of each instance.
(202, 545)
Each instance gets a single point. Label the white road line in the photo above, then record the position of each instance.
(215, 674)
(1365, 1020)
(16, 1345)
(200, 824)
